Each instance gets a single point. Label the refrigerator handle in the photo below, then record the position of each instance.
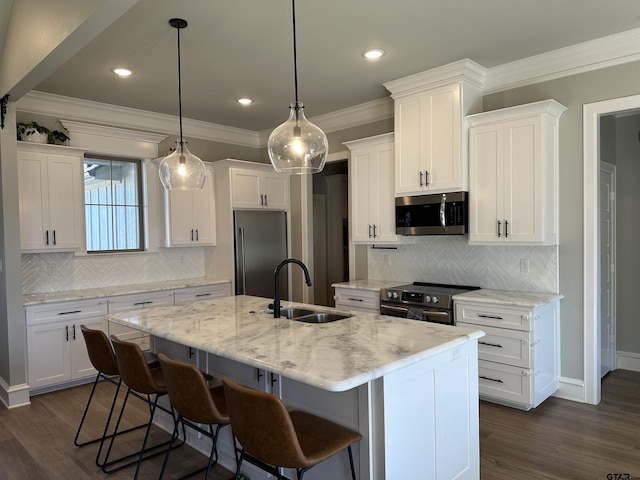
(241, 257)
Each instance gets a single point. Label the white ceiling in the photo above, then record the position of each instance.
(235, 48)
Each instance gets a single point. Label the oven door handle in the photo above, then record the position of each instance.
(392, 310)
(443, 206)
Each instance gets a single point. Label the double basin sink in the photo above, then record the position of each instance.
(306, 315)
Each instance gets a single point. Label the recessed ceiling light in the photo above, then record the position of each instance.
(373, 53)
(245, 101)
(122, 72)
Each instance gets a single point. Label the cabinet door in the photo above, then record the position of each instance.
(180, 229)
(362, 174)
(410, 129)
(486, 174)
(65, 202)
(523, 179)
(276, 191)
(203, 208)
(245, 188)
(382, 191)
(443, 161)
(49, 357)
(34, 193)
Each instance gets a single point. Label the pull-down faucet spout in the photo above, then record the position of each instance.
(276, 273)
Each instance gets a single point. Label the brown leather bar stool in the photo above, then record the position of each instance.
(103, 359)
(195, 404)
(143, 380)
(272, 437)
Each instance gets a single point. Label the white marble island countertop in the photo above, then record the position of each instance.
(334, 356)
(506, 297)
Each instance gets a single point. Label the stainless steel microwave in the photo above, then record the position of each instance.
(434, 214)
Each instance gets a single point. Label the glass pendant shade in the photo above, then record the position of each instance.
(297, 146)
(182, 170)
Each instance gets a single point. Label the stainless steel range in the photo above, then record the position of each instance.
(429, 302)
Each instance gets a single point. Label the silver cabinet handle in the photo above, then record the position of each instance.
(426, 178)
(374, 230)
(54, 237)
(355, 299)
(192, 234)
(70, 312)
(46, 237)
(499, 228)
(369, 231)
(491, 379)
(197, 235)
(421, 178)
(506, 228)
(265, 200)
(66, 332)
(492, 317)
(490, 344)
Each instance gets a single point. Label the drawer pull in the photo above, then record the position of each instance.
(70, 312)
(66, 332)
(74, 332)
(491, 379)
(203, 294)
(490, 344)
(144, 303)
(492, 317)
(355, 299)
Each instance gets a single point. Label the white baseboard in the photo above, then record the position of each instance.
(571, 389)
(628, 361)
(15, 395)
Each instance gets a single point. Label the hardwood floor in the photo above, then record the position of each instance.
(564, 440)
(560, 440)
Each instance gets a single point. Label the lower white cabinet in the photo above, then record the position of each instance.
(187, 295)
(55, 344)
(367, 301)
(518, 356)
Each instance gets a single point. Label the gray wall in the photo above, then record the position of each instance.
(627, 147)
(573, 92)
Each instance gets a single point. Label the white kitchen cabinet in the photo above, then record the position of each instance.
(373, 217)
(183, 296)
(56, 351)
(519, 355)
(138, 301)
(259, 188)
(190, 215)
(513, 193)
(51, 197)
(367, 301)
(431, 137)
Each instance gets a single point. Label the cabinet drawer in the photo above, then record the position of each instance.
(504, 346)
(67, 311)
(358, 299)
(505, 382)
(206, 292)
(491, 316)
(139, 301)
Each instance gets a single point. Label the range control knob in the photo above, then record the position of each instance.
(395, 295)
(389, 294)
(427, 299)
(435, 299)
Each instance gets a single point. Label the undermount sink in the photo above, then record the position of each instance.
(321, 317)
(309, 316)
(295, 312)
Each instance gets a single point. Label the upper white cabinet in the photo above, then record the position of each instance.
(51, 198)
(513, 195)
(259, 188)
(190, 215)
(430, 127)
(372, 199)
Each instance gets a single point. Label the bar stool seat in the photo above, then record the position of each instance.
(272, 437)
(196, 405)
(103, 359)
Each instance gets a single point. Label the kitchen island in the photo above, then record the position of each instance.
(409, 387)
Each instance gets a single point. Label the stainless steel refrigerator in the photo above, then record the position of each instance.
(260, 245)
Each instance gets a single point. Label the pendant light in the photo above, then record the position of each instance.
(297, 146)
(181, 170)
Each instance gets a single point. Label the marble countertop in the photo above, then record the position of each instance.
(371, 285)
(505, 297)
(333, 356)
(81, 294)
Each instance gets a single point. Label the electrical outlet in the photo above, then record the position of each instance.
(51, 268)
(524, 265)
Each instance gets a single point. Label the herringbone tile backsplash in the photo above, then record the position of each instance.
(452, 260)
(54, 272)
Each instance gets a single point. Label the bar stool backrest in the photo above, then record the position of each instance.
(263, 426)
(134, 369)
(189, 393)
(100, 351)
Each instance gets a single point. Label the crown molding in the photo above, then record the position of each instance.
(583, 57)
(129, 118)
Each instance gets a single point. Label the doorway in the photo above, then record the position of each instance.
(330, 230)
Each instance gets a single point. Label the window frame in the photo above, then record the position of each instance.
(141, 205)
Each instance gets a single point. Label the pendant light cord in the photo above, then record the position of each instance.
(181, 142)
(295, 57)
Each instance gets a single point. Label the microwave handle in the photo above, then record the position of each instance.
(443, 203)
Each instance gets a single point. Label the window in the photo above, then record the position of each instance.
(113, 204)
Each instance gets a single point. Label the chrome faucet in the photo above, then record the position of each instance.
(276, 273)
